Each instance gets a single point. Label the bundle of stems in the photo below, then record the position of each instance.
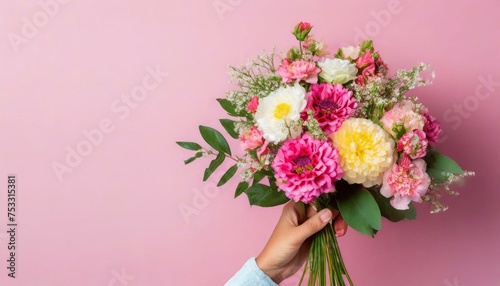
(324, 262)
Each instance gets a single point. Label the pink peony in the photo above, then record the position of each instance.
(253, 104)
(306, 168)
(332, 104)
(298, 70)
(413, 144)
(402, 114)
(432, 128)
(251, 139)
(405, 182)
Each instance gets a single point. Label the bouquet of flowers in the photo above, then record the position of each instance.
(335, 132)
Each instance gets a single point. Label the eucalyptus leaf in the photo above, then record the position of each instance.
(215, 139)
(265, 196)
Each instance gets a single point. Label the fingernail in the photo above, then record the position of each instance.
(339, 232)
(326, 215)
(314, 208)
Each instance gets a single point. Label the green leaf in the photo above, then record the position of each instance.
(360, 210)
(229, 107)
(242, 186)
(389, 212)
(189, 145)
(228, 175)
(366, 45)
(441, 163)
(229, 126)
(258, 176)
(213, 166)
(265, 196)
(198, 155)
(215, 139)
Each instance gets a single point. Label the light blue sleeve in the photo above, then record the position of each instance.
(250, 275)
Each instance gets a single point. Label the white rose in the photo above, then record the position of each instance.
(277, 110)
(351, 52)
(337, 71)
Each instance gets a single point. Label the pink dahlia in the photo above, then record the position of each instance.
(298, 70)
(406, 181)
(432, 128)
(413, 144)
(332, 104)
(306, 168)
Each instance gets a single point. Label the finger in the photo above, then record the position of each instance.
(311, 211)
(340, 226)
(312, 225)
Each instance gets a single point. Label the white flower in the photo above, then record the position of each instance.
(278, 109)
(351, 52)
(337, 71)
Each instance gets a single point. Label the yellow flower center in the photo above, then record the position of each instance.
(282, 110)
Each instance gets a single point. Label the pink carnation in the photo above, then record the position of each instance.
(432, 128)
(298, 70)
(251, 139)
(405, 182)
(253, 104)
(413, 144)
(306, 168)
(332, 104)
(402, 114)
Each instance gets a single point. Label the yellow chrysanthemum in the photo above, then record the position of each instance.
(366, 151)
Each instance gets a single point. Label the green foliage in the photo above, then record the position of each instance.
(228, 175)
(265, 196)
(189, 145)
(213, 166)
(215, 139)
(360, 210)
(242, 186)
(439, 165)
(198, 155)
(229, 126)
(229, 108)
(389, 212)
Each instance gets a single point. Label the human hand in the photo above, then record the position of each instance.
(288, 247)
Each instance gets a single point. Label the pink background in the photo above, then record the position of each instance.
(118, 211)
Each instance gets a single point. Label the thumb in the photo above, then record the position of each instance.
(313, 225)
